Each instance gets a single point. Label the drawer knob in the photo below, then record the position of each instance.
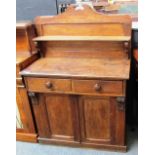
(97, 87)
(48, 85)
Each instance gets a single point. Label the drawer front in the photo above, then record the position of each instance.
(98, 87)
(48, 84)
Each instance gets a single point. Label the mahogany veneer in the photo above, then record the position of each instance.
(25, 55)
(79, 68)
(77, 87)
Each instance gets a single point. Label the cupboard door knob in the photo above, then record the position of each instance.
(97, 87)
(48, 85)
(126, 44)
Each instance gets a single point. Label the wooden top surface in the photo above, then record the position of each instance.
(25, 56)
(22, 56)
(23, 24)
(79, 68)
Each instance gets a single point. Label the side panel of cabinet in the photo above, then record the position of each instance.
(57, 117)
(27, 132)
(25, 110)
(100, 121)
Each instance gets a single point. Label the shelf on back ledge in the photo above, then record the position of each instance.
(82, 38)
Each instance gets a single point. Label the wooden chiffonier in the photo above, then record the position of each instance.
(25, 55)
(77, 88)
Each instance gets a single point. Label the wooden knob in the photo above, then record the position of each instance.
(126, 44)
(48, 85)
(97, 87)
(36, 44)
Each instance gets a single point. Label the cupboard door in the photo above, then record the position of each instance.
(57, 117)
(99, 119)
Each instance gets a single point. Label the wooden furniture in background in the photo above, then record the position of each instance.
(135, 55)
(25, 55)
(129, 7)
(77, 87)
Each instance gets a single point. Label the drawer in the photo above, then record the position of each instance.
(98, 87)
(48, 84)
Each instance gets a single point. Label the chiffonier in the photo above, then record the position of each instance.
(77, 87)
(25, 55)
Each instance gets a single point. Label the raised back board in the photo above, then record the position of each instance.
(83, 33)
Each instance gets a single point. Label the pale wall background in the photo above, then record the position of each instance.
(28, 9)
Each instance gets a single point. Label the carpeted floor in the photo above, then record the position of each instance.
(23, 148)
